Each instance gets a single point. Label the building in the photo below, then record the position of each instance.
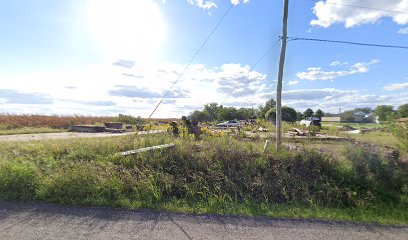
(331, 119)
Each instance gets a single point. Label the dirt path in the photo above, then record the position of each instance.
(66, 135)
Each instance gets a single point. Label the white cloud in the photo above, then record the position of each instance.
(113, 89)
(207, 5)
(396, 86)
(292, 83)
(335, 11)
(236, 2)
(338, 63)
(317, 73)
(403, 31)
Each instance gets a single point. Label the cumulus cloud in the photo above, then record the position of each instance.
(207, 5)
(292, 83)
(403, 31)
(236, 2)
(318, 73)
(330, 12)
(396, 86)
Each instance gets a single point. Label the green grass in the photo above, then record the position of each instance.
(382, 138)
(30, 130)
(214, 175)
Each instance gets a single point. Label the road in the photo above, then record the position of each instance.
(66, 135)
(48, 221)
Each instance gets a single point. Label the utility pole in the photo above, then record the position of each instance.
(280, 75)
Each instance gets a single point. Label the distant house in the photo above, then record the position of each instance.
(331, 119)
(403, 121)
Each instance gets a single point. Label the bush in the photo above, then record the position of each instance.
(18, 180)
(223, 168)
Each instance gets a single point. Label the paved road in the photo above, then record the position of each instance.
(66, 135)
(47, 221)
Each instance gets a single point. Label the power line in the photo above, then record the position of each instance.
(362, 7)
(192, 59)
(252, 68)
(346, 42)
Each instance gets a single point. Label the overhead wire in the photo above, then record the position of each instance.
(362, 7)
(346, 42)
(192, 59)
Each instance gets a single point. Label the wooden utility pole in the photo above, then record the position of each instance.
(280, 75)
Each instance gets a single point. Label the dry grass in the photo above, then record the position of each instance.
(11, 121)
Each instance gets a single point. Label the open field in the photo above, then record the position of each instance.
(212, 175)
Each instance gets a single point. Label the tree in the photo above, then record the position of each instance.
(199, 116)
(299, 116)
(319, 113)
(365, 110)
(288, 114)
(384, 112)
(212, 109)
(403, 110)
(268, 105)
(308, 113)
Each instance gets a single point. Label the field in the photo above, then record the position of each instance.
(28, 124)
(222, 174)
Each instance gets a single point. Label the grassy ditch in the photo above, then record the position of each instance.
(214, 175)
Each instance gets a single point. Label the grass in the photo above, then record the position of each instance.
(382, 138)
(214, 175)
(354, 125)
(30, 130)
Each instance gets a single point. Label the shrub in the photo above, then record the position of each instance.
(18, 180)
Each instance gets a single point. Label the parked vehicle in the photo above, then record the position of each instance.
(231, 123)
(311, 121)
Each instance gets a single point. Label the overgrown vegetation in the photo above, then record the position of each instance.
(216, 174)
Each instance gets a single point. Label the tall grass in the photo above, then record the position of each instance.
(212, 174)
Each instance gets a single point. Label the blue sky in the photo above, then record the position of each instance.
(104, 57)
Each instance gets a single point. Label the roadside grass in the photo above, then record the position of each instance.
(31, 130)
(213, 175)
(382, 138)
(354, 125)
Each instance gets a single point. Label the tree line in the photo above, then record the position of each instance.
(215, 112)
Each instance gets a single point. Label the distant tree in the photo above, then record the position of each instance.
(348, 117)
(299, 116)
(212, 109)
(227, 113)
(319, 113)
(288, 114)
(271, 115)
(384, 112)
(403, 110)
(268, 105)
(308, 113)
(365, 110)
(199, 116)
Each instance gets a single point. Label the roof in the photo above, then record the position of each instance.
(403, 120)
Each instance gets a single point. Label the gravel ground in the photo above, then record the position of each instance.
(48, 221)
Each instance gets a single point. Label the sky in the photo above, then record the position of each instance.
(106, 57)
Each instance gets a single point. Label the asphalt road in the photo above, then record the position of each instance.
(47, 221)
